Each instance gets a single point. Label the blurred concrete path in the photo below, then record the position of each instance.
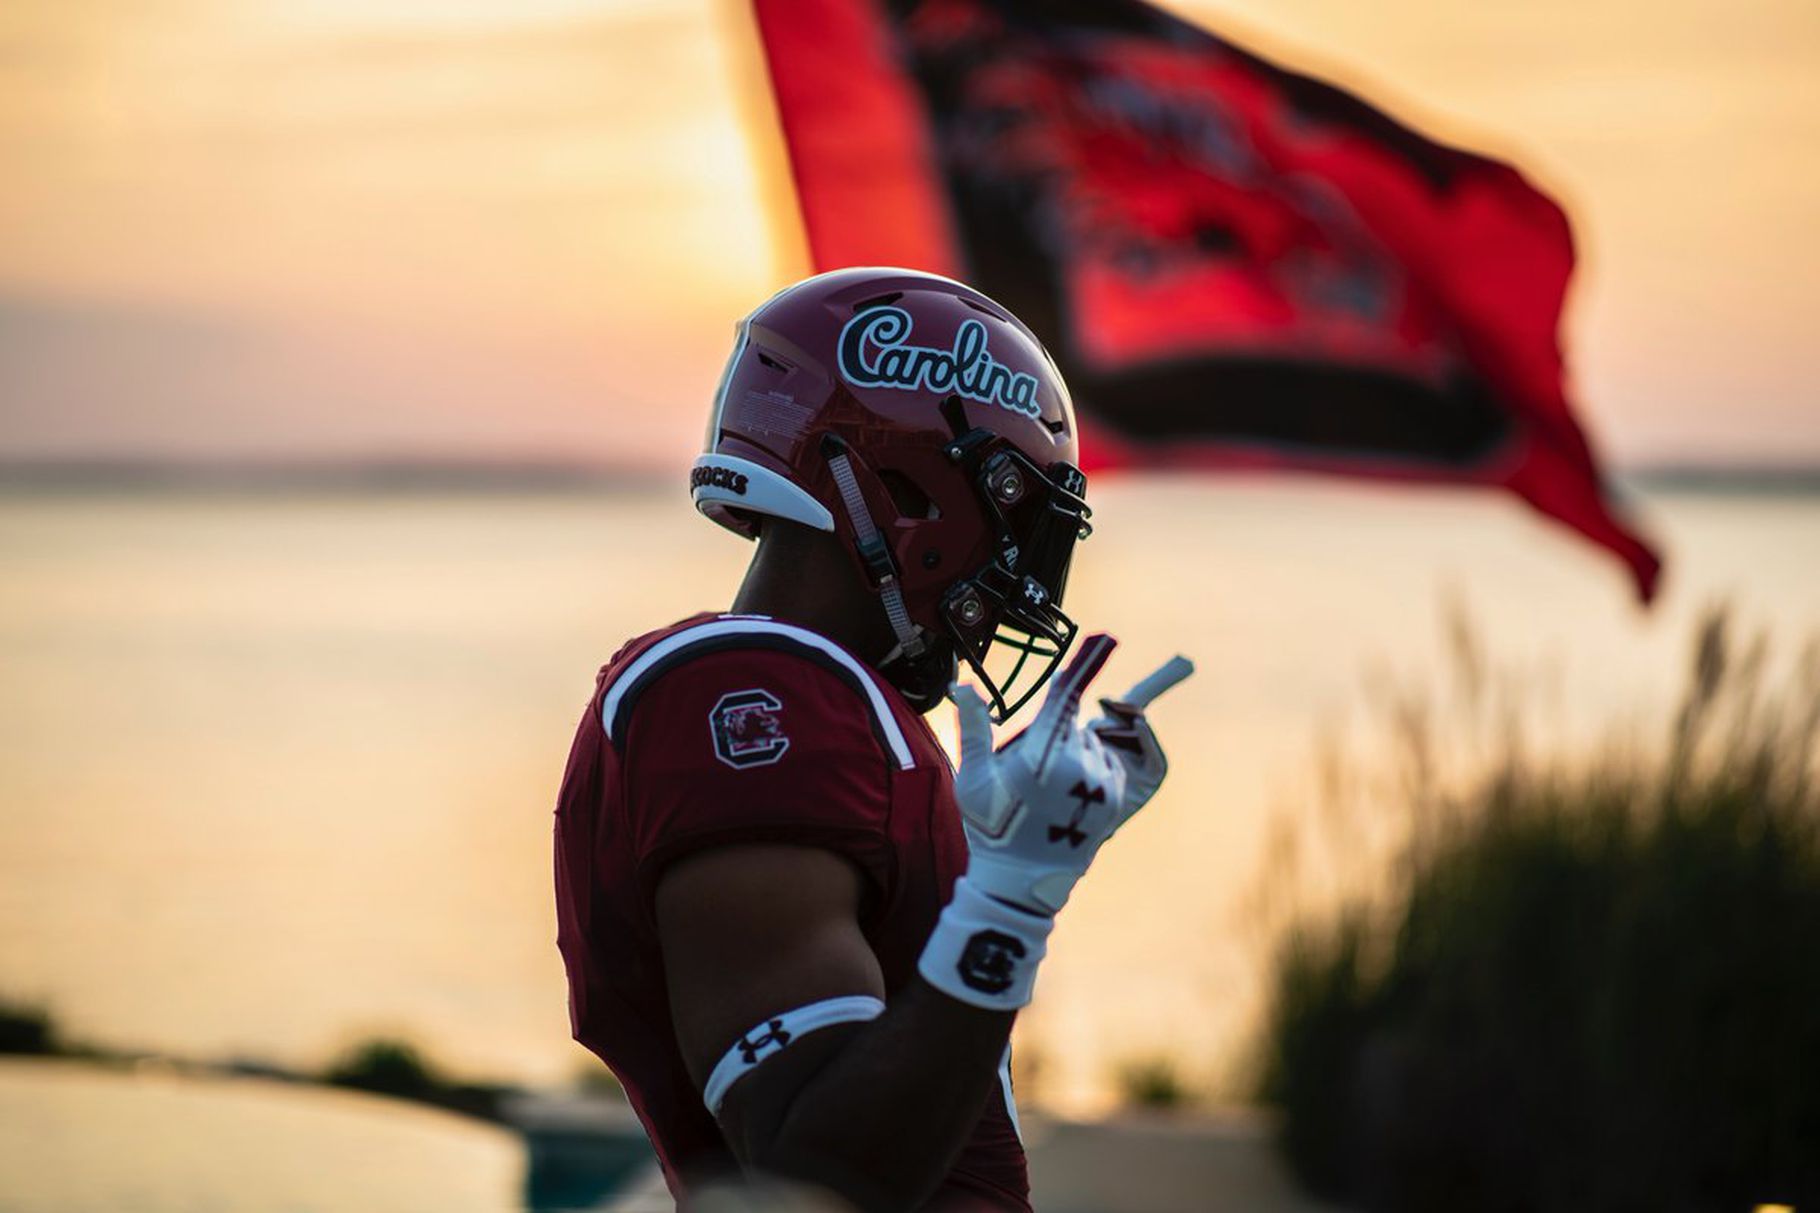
(1197, 1162)
(1208, 1162)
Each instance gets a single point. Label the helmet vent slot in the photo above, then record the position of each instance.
(1054, 427)
(911, 501)
(771, 362)
(984, 310)
(877, 301)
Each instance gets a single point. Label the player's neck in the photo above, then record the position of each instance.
(805, 579)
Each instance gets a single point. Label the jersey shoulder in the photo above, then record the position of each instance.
(752, 688)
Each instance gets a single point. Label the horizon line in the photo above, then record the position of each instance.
(548, 473)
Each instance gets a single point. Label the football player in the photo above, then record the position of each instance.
(797, 936)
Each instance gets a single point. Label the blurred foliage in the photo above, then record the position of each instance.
(1591, 984)
(390, 1066)
(1152, 1082)
(386, 1066)
(27, 1029)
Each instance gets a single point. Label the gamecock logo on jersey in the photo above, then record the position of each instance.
(746, 730)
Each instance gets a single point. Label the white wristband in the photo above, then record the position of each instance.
(985, 952)
(770, 1037)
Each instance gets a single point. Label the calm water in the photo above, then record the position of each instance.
(276, 772)
(79, 1140)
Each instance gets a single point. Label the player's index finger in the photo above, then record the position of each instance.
(975, 723)
(1065, 692)
(1161, 679)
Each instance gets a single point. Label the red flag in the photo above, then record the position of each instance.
(1234, 265)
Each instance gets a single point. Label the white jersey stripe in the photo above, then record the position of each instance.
(755, 626)
(1004, 1082)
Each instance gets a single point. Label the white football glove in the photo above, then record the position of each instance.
(1125, 731)
(1037, 810)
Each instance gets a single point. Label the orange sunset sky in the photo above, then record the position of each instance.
(524, 228)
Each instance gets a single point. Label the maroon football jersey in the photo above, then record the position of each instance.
(726, 729)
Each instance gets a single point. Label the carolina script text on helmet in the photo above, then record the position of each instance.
(875, 351)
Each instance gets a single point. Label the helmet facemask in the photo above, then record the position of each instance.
(1034, 515)
(1013, 602)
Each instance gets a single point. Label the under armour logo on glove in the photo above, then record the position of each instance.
(1072, 831)
(774, 1038)
(1058, 781)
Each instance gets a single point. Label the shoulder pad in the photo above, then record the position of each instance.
(750, 633)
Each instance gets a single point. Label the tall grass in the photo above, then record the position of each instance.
(1592, 983)
(1153, 1082)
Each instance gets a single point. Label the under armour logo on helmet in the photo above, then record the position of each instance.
(774, 1038)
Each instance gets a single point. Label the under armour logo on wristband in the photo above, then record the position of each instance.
(1072, 831)
(989, 961)
(774, 1038)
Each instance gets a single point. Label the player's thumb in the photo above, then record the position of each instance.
(1159, 680)
(975, 724)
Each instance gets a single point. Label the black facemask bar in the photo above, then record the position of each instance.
(1036, 515)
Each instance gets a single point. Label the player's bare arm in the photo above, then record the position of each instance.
(751, 930)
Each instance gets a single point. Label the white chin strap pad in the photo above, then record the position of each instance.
(721, 482)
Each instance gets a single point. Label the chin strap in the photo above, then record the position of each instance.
(873, 553)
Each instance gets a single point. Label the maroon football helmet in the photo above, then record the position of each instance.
(924, 425)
